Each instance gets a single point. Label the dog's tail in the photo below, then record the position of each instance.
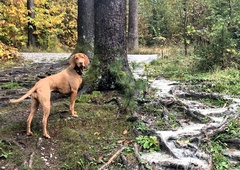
(24, 96)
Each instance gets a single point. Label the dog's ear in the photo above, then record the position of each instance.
(86, 60)
(72, 61)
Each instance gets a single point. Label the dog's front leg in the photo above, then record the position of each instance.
(72, 102)
(46, 112)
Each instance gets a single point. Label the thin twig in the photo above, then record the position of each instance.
(106, 165)
(31, 160)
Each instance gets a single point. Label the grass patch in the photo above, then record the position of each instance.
(96, 134)
(10, 85)
(225, 81)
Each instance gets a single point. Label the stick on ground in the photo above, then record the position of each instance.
(106, 165)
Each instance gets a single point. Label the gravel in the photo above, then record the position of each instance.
(45, 57)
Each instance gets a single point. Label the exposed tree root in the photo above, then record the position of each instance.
(200, 95)
(234, 143)
(165, 118)
(116, 100)
(195, 114)
(209, 131)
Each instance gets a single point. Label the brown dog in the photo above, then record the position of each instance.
(67, 81)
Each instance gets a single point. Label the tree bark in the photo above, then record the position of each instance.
(85, 30)
(110, 39)
(133, 25)
(32, 38)
(185, 20)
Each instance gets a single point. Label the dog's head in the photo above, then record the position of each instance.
(79, 62)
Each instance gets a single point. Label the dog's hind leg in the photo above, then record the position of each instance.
(33, 110)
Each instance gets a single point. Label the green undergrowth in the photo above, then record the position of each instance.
(218, 146)
(180, 68)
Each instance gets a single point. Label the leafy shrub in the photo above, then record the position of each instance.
(221, 52)
(150, 143)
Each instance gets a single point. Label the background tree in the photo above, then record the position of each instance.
(32, 38)
(133, 25)
(85, 27)
(110, 40)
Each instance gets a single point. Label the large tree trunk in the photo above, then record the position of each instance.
(32, 38)
(133, 25)
(85, 41)
(110, 39)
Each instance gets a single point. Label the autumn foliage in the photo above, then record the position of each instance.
(55, 21)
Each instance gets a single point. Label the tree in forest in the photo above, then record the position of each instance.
(110, 42)
(32, 38)
(85, 30)
(133, 25)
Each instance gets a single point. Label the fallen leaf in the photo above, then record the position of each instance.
(120, 141)
(100, 159)
(124, 141)
(125, 132)
(96, 133)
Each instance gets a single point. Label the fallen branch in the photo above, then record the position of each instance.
(31, 160)
(136, 152)
(106, 165)
(138, 157)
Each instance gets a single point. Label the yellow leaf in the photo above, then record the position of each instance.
(96, 133)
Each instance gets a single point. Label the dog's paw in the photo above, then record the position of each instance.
(29, 133)
(74, 115)
(47, 136)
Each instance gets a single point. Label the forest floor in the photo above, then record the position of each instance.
(178, 114)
